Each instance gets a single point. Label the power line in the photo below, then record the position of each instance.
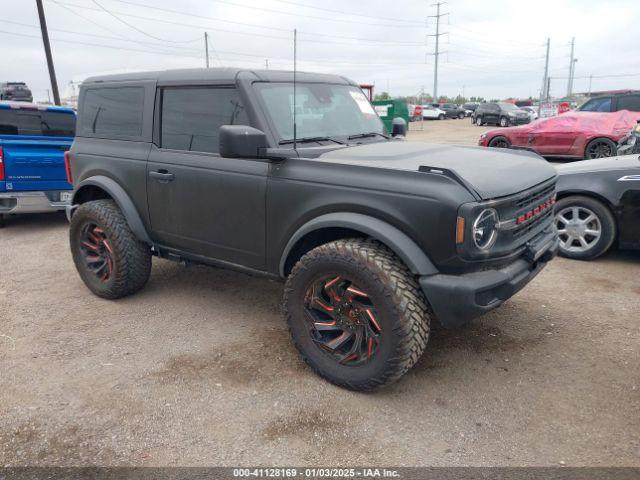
(138, 29)
(373, 41)
(261, 57)
(348, 13)
(282, 12)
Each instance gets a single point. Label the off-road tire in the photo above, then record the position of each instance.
(607, 222)
(131, 257)
(403, 312)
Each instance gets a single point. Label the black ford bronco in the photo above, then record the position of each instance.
(375, 237)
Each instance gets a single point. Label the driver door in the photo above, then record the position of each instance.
(200, 202)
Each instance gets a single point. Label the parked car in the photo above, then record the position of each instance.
(577, 135)
(532, 111)
(16, 91)
(429, 112)
(33, 140)
(598, 206)
(613, 103)
(206, 166)
(500, 113)
(470, 107)
(451, 110)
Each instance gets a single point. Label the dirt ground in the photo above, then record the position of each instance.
(198, 369)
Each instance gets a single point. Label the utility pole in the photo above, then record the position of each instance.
(266, 64)
(206, 48)
(544, 91)
(47, 51)
(572, 63)
(437, 51)
(590, 80)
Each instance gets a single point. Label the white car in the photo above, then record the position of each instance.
(532, 111)
(429, 112)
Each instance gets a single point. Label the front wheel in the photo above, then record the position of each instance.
(500, 142)
(356, 314)
(111, 261)
(479, 120)
(586, 227)
(441, 117)
(504, 121)
(461, 115)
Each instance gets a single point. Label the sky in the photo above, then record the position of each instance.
(493, 48)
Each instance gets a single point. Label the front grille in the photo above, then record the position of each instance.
(522, 230)
(536, 197)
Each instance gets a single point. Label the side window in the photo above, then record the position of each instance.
(597, 105)
(113, 111)
(192, 116)
(629, 102)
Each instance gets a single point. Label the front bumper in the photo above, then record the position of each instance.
(32, 202)
(457, 299)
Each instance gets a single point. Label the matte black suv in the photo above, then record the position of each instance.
(375, 237)
(17, 91)
(451, 110)
(499, 113)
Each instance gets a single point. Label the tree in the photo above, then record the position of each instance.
(382, 96)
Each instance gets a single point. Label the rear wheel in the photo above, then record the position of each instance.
(441, 116)
(356, 314)
(479, 120)
(461, 115)
(600, 148)
(500, 142)
(111, 261)
(2, 219)
(586, 227)
(504, 121)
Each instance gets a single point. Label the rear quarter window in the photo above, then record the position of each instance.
(113, 111)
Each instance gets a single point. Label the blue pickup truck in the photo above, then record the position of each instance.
(33, 141)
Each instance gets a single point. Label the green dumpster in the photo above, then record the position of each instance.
(387, 110)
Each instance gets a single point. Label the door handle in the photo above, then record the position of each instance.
(162, 176)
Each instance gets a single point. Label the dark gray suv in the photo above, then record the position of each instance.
(499, 113)
(374, 237)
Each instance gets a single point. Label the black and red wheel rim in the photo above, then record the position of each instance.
(96, 251)
(342, 320)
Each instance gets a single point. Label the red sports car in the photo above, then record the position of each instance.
(571, 135)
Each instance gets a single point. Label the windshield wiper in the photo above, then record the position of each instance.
(311, 139)
(365, 135)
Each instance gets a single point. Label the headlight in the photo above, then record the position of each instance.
(483, 136)
(511, 114)
(485, 229)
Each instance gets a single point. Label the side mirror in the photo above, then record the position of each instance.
(241, 141)
(399, 127)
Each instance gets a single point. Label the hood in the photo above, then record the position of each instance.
(600, 165)
(490, 173)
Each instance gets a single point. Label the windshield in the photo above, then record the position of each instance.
(322, 110)
(508, 106)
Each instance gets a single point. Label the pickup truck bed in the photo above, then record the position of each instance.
(33, 140)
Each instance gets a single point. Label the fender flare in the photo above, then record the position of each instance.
(123, 201)
(408, 251)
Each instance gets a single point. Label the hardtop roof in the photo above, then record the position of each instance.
(219, 74)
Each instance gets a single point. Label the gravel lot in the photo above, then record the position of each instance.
(198, 369)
